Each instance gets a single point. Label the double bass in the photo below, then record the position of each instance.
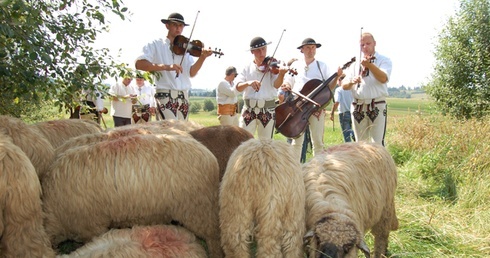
(292, 116)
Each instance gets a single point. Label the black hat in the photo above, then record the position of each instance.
(258, 42)
(175, 17)
(230, 70)
(309, 41)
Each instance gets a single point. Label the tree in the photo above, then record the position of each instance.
(208, 105)
(46, 53)
(461, 78)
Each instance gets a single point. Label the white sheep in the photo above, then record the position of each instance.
(32, 142)
(122, 131)
(59, 131)
(134, 180)
(21, 226)
(262, 199)
(349, 191)
(156, 241)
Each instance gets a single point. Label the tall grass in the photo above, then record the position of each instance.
(443, 188)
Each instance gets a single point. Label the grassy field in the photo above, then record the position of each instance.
(444, 178)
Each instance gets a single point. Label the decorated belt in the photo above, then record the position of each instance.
(267, 103)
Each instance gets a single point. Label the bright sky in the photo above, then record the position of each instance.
(405, 31)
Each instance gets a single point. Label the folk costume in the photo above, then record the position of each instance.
(226, 97)
(306, 72)
(369, 110)
(258, 111)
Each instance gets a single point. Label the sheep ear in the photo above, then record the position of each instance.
(364, 248)
(307, 237)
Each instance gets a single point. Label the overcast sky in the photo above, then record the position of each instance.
(405, 31)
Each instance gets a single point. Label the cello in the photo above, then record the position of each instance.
(292, 116)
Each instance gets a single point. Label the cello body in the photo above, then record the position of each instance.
(292, 115)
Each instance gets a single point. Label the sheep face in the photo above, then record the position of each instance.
(335, 236)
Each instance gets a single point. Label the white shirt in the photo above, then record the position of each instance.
(122, 107)
(226, 93)
(146, 95)
(158, 52)
(267, 90)
(370, 88)
(320, 71)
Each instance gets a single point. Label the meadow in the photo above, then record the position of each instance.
(444, 178)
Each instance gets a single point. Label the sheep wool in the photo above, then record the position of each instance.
(350, 189)
(59, 131)
(221, 140)
(21, 225)
(262, 199)
(88, 139)
(156, 241)
(32, 142)
(134, 180)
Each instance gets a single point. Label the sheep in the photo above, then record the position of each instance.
(350, 189)
(59, 131)
(164, 241)
(182, 125)
(133, 180)
(221, 140)
(39, 150)
(262, 198)
(21, 226)
(88, 139)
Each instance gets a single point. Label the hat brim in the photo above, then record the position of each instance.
(318, 45)
(165, 21)
(268, 43)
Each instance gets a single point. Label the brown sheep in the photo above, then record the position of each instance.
(134, 180)
(221, 140)
(350, 190)
(59, 131)
(31, 141)
(262, 198)
(21, 225)
(157, 241)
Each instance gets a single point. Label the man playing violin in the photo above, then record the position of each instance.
(369, 90)
(173, 80)
(259, 86)
(309, 68)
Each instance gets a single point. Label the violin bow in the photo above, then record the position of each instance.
(190, 36)
(272, 57)
(360, 53)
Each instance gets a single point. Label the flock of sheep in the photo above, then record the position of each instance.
(163, 188)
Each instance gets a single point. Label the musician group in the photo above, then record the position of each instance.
(308, 83)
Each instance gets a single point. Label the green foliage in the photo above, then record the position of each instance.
(46, 51)
(208, 105)
(195, 107)
(462, 72)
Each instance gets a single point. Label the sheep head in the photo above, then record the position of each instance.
(335, 236)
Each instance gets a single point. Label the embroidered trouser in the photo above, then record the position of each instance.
(172, 104)
(369, 121)
(141, 114)
(317, 128)
(258, 116)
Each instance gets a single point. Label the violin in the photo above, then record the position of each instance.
(271, 64)
(292, 115)
(365, 70)
(181, 45)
